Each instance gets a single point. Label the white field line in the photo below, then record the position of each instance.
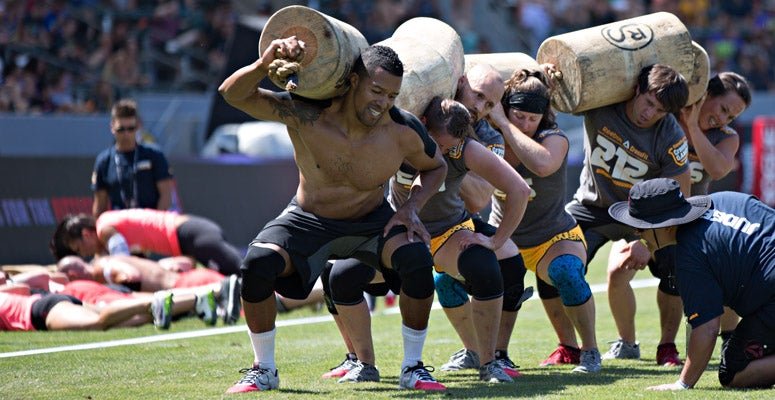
(636, 284)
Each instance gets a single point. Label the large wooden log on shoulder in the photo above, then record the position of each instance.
(432, 54)
(331, 48)
(600, 65)
(698, 83)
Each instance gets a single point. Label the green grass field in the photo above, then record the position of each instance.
(204, 367)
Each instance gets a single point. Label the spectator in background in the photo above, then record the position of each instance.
(130, 174)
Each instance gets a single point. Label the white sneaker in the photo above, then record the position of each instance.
(161, 310)
(229, 301)
(462, 359)
(590, 362)
(492, 372)
(419, 378)
(256, 378)
(206, 308)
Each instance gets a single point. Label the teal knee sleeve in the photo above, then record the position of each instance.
(450, 292)
(567, 275)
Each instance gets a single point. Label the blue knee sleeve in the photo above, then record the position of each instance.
(414, 265)
(260, 269)
(450, 291)
(513, 272)
(479, 267)
(567, 275)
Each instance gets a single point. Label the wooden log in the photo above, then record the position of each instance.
(698, 84)
(426, 74)
(331, 48)
(505, 63)
(432, 54)
(437, 35)
(600, 65)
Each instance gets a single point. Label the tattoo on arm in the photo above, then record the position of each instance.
(286, 107)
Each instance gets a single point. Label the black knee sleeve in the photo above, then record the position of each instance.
(324, 279)
(348, 280)
(513, 272)
(414, 265)
(260, 269)
(546, 291)
(479, 266)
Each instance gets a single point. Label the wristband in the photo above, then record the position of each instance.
(681, 383)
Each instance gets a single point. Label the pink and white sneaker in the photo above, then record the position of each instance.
(256, 378)
(419, 378)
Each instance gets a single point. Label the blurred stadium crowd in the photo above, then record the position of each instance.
(79, 56)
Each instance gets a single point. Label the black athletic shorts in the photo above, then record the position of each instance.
(42, 306)
(311, 241)
(751, 340)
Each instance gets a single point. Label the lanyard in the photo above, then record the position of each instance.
(129, 201)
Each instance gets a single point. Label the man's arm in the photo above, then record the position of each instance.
(100, 204)
(432, 172)
(241, 89)
(164, 187)
(701, 344)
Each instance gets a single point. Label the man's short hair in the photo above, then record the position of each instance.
(450, 116)
(668, 85)
(125, 108)
(378, 56)
(69, 229)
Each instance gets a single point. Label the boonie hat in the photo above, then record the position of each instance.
(658, 203)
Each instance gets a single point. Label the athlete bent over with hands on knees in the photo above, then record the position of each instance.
(346, 148)
(458, 250)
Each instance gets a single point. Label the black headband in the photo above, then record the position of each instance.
(528, 102)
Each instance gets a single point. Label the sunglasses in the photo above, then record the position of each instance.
(130, 128)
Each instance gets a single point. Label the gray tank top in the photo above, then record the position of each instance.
(545, 215)
(444, 209)
(618, 154)
(700, 178)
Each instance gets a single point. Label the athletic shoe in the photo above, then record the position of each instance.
(507, 365)
(492, 372)
(256, 378)
(462, 359)
(622, 350)
(562, 355)
(206, 309)
(229, 302)
(161, 309)
(361, 373)
(419, 378)
(350, 362)
(667, 355)
(590, 362)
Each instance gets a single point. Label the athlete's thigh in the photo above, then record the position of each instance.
(68, 316)
(447, 255)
